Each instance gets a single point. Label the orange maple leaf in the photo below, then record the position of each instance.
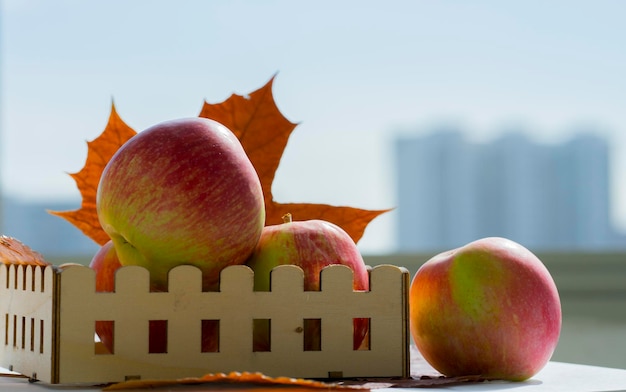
(257, 379)
(262, 130)
(99, 152)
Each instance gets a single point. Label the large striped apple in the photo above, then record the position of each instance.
(181, 192)
(489, 308)
(310, 245)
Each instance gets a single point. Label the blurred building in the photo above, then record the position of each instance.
(545, 196)
(49, 235)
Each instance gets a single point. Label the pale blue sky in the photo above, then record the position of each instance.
(353, 73)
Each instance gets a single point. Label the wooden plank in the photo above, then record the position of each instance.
(26, 321)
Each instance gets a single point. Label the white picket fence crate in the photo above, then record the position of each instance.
(49, 316)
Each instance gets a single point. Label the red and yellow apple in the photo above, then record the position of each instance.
(489, 308)
(106, 263)
(181, 192)
(310, 245)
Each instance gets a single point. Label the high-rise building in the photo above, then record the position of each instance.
(545, 196)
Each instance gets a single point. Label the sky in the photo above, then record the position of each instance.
(353, 74)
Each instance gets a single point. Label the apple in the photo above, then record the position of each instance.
(311, 245)
(489, 308)
(181, 192)
(106, 263)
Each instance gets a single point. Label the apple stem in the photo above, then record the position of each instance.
(287, 218)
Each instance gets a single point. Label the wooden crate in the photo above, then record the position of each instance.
(49, 316)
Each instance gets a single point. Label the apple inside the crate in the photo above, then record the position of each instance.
(105, 263)
(182, 192)
(311, 245)
(489, 308)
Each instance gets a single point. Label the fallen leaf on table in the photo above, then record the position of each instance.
(231, 378)
(422, 376)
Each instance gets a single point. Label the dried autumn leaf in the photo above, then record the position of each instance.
(13, 251)
(422, 376)
(99, 152)
(264, 132)
(243, 378)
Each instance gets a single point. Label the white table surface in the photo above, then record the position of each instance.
(556, 376)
